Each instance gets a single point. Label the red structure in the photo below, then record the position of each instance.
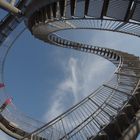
(2, 85)
(5, 104)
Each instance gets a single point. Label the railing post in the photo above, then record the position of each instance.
(64, 129)
(7, 6)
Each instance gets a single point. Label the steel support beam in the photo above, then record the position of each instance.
(9, 7)
(127, 75)
(117, 90)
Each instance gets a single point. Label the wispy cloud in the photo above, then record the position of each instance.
(82, 76)
(67, 87)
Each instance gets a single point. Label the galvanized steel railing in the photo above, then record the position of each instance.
(92, 115)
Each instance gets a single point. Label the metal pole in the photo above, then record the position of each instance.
(9, 7)
(12, 2)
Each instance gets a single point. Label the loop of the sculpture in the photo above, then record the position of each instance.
(107, 106)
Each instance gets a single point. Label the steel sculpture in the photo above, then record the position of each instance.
(112, 111)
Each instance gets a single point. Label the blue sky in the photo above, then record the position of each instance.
(45, 80)
(43, 73)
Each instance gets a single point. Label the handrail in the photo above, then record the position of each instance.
(98, 108)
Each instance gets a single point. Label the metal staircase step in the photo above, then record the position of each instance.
(86, 7)
(123, 121)
(73, 7)
(113, 131)
(100, 136)
(128, 109)
(62, 4)
(54, 9)
(134, 102)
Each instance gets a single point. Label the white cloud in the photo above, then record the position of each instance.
(81, 79)
(70, 84)
(82, 76)
(67, 86)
